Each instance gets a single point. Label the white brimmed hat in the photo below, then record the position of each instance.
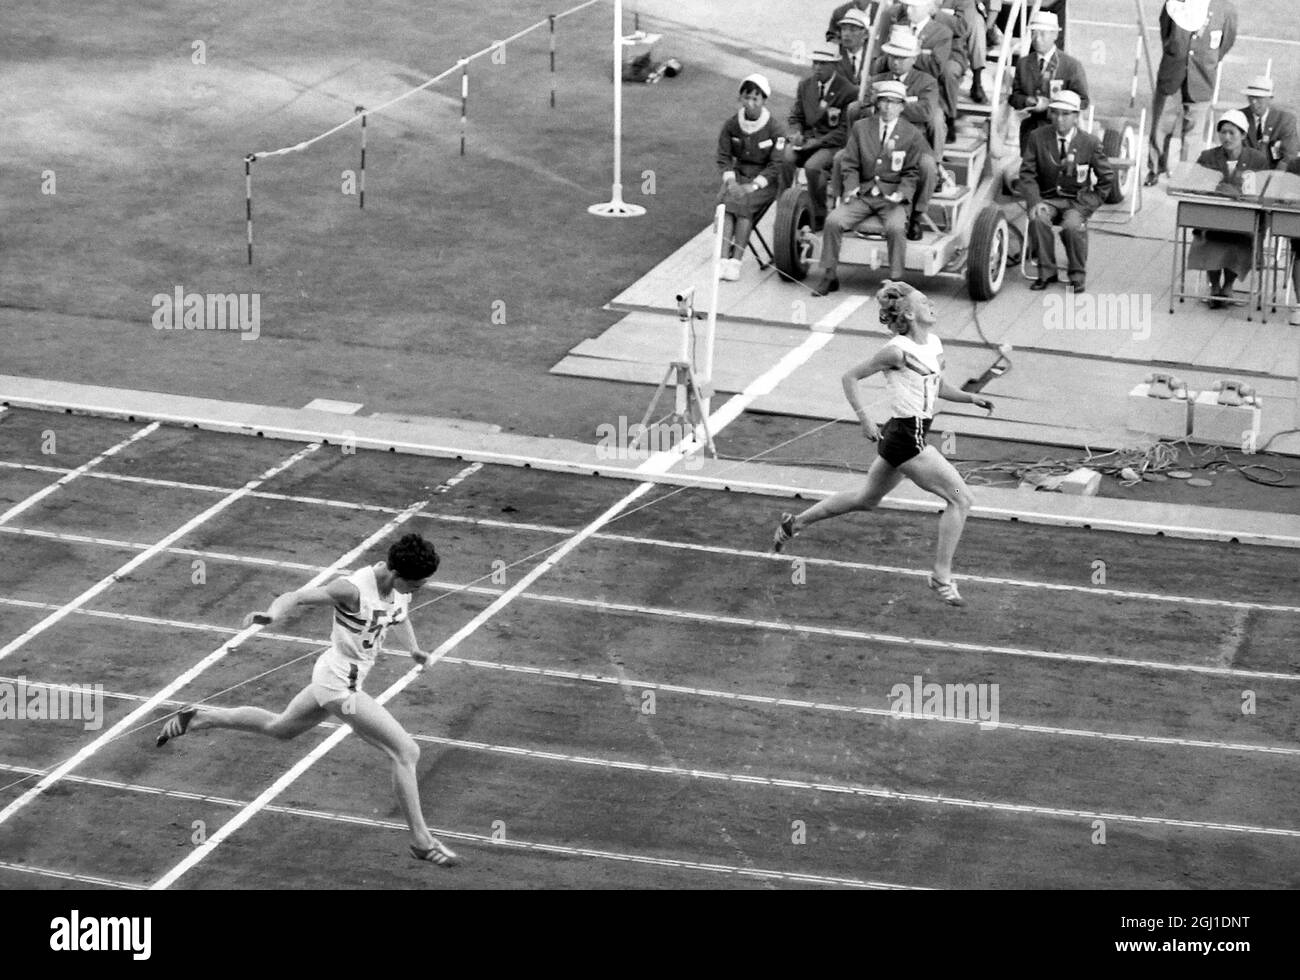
(1261, 86)
(889, 88)
(855, 17)
(761, 81)
(1066, 101)
(1044, 21)
(1237, 118)
(1190, 15)
(902, 43)
(825, 52)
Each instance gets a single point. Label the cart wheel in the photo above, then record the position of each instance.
(792, 231)
(1120, 140)
(986, 265)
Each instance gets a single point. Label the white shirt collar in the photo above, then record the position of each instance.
(751, 126)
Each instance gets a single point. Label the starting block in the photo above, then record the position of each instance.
(1161, 406)
(1228, 415)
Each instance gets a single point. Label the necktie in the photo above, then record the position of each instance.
(1061, 144)
(884, 133)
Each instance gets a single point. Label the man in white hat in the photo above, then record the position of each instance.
(1064, 177)
(1046, 71)
(936, 43)
(853, 45)
(818, 125)
(921, 110)
(1271, 130)
(881, 168)
(1195, 36)
(999, 14)
(868, 9)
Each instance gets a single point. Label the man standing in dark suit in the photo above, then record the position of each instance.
(1064, 177)
(1271, 130)
(881, 169)
(1044, 73)
(1195, 36)
(818, 126)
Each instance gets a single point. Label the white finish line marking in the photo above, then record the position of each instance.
(658, 463)
(71, 475)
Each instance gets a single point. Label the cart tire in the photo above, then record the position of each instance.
(1120, 140)
(986, 265)
(793, 222)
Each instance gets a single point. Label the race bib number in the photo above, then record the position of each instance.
(896, 159)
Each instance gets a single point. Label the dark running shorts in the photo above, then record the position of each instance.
(902, 439)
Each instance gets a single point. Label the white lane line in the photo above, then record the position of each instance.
(71, 475)
(130, 720)
(739, 697)
(31, 869)
(194, 522)
(658, 463)
(690, 546)
(467, 472)
(487, 841)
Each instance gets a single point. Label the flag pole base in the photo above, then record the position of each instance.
(616, 207)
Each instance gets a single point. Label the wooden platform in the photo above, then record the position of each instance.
(1068, 385)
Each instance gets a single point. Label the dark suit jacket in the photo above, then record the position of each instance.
(833, 28)
(1215, 158)
(845, 66)
(895, 166)
(935, 40)
(1031, 81)
(826, 120)
(926, 91)
(1189, 60)
(1281, 141)
(1044, 175)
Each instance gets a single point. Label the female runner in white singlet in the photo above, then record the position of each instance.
(912, 363)
(366, 604)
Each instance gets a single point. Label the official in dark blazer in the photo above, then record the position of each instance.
(868, 9)
(1195, 35)
(1063, 188)
(1226, 255)
(854, 30)
(936, 44)
(882, 169)
(1272, 130)
(1043, 73)
(818, 126)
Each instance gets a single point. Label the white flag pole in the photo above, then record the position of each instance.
(616, 207)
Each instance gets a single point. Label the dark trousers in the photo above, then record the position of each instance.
(846, 217)
(1074, 236)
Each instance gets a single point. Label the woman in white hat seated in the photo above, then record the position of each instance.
(1226, 255)
(749, 156)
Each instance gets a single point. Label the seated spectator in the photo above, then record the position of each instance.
(868, 9)
(922, 110)
(936, 43)
(881, 173)
(1271, 130)
(972, 16)
(1064, 177)
(998, 13)
(853, 45)
(1043, 74)
(1226, 255)
(818, 126)
(749, 158)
